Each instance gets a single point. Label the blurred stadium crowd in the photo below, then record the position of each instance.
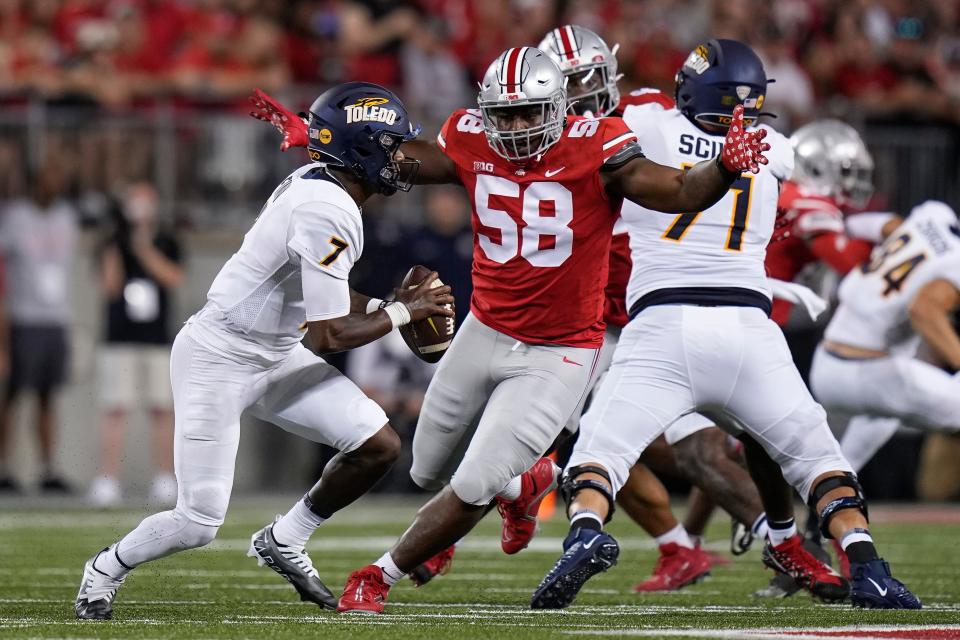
(109, 100)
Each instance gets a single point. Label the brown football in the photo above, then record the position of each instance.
(428, 339)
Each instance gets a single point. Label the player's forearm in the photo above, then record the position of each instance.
(358, 302)
(935, 328)
(704, 184)
(348, 332)
(435, 166)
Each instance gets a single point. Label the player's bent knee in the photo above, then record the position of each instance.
(427, 483)
(381, 449)
(204, 502)
(475, 490)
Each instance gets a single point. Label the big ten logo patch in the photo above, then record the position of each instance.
(483, 166)
(370, 110)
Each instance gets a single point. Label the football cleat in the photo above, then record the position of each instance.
(783, 586)
(872, 587)
(438, 565)
(794, 560)
(741, 538)
(520, 515)
(365, 592)
(97, 591)
(586, 552)
(676, 568)
(293, 564)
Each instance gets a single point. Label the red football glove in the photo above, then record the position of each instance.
(742, 149)
(291, 126)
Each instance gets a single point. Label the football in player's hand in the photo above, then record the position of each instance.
(428, 338)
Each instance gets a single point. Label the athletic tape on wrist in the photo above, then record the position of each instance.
(398, 312)
(375, 304)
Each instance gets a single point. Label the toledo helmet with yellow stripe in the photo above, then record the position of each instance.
(716, 77)
(832, 160)
(523, 101)
(590, 67)
(359, 126)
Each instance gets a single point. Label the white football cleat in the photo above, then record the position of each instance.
(97, 591)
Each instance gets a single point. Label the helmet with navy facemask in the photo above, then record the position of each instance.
(359, 126)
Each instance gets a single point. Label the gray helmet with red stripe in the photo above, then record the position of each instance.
(590, 66)
(523, 85)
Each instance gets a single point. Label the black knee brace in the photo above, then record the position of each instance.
(824, 487)
(570, 486)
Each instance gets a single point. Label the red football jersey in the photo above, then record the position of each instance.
(541, 233)
(615, 306)
(816, 232)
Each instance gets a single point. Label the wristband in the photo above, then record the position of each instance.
(374, 304)
(398, 312)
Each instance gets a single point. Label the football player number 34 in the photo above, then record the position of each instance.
(545, 240)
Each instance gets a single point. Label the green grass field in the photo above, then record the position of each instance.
(218, 592)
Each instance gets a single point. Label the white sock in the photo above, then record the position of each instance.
(760, 528)
(108, 563)
(677, 535)
(512, 491)
(781, 531)
(296, 526)
(391, 572)
(586, 514)
(855, 535)
(864, 436)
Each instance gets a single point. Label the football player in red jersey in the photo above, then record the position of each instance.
(830, 184)
(546, 188)
(693, 445)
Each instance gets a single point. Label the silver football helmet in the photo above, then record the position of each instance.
(590, 66)
(832, 160)
(523, 99)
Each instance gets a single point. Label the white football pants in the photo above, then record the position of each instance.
(725, 362)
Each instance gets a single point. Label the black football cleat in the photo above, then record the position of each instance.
(872, 587)
(97, 591)
(293, 564)
(586, 552)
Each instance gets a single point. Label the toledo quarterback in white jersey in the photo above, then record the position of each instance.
(910, 287)
(700, 339)
(243, 352)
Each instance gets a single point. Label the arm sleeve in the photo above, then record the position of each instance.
(327, 236)
(615, 135)
(839, 252)
(324, 295)
(868, 225)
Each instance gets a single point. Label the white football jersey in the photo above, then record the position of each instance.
(723, 246)
(255, 306)
(875, 298)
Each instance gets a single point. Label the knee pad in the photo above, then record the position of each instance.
(428, 484)
(192, 534)
(204, 502)
(477, 490)
(824, 487)
(571, 485)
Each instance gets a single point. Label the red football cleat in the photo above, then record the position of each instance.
(365, 591)
(676, 567)
(809, 573)
(842, 559)
(520, 515)
(438, 565)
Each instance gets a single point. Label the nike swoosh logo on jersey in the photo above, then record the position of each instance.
(569, 361)
(552, 172)
(882, 592)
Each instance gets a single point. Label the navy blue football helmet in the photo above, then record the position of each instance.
(717, 76)
(359, 126)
